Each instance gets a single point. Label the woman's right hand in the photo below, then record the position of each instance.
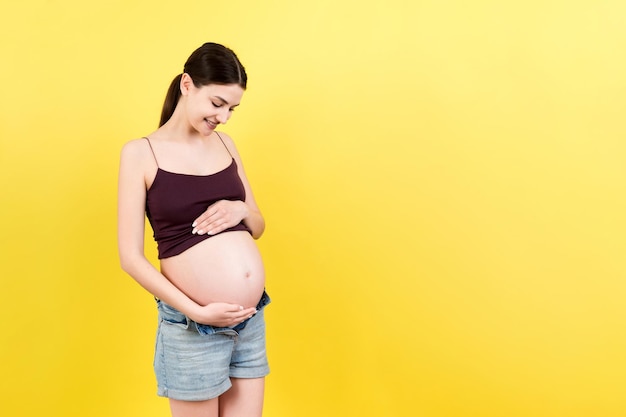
(222, 314)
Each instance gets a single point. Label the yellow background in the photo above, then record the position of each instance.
(443, 183)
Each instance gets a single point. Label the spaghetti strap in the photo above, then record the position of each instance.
(150, 144)
(218, 135)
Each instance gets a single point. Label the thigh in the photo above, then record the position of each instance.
(207, 408)
(244, 398)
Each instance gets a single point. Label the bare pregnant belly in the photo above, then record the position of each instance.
(223, 268)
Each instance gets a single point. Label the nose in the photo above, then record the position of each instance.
(223, 115)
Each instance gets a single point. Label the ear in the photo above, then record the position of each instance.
(186, 84)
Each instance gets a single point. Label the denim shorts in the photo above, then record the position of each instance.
(194, 362)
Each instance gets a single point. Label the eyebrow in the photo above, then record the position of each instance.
(224, 101)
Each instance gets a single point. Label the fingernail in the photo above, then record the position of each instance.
(194, 231)
(240, 308)
(193, 224)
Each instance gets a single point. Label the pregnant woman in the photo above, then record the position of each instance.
(188, 179)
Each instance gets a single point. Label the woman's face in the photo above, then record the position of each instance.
(210, 105)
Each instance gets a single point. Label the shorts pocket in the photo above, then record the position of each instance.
(170, 315)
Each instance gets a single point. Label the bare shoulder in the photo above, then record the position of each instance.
(135, 148)
(138, 152)
(136, 156)
(229, 142)
(226, 138)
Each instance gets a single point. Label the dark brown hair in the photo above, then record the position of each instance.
(211, 63)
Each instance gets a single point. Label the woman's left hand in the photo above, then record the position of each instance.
(219, 217)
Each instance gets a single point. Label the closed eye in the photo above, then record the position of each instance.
(218, 105)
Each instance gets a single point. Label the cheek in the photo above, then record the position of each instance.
(196, 111)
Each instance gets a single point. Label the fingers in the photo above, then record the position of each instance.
(243, 314)
(216, 219)
(200, 225)
(210, 228)
(240, 311)
(224, 314)
(236, 310)
(240, 314)
(248, 312)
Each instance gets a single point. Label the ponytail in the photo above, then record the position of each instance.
(171, 100)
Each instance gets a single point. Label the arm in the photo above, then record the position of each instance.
(134, 168)
(225, 214)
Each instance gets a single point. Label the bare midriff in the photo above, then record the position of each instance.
(223, 268)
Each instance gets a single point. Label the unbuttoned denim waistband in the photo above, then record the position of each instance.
(173, 316)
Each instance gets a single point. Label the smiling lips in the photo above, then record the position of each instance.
(211, 124)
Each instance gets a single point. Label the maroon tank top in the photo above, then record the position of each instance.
(174, 201)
